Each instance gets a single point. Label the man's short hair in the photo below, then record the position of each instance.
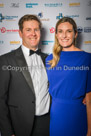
(28, 17)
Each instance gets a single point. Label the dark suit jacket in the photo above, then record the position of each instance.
(17, 99)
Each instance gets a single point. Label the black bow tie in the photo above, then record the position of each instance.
(37, 52)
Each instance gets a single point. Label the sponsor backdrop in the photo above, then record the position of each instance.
(49, 12)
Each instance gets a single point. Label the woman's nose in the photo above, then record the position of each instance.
(64, 34)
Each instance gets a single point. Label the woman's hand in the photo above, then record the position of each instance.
(89, 132)
(88, 106)
(84, 101)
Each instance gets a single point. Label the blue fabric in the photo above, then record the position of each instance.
(69, 82)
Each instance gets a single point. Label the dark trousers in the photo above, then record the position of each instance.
(41, 125)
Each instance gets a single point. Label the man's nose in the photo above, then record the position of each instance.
(33, 32)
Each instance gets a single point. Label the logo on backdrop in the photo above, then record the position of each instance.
(47, 42)
(87, 29)
(14, 5)
(87, 42)
(74, 4)
(53, 4)
(7, 18)
(1, 17)
(88, 18)
(1, 42)
(40, 15)
(61, 15)
(31, 5)
(79, 29)
(89, 3)
(52, 30)
(1, 5)
(4, 30)
(14, 42)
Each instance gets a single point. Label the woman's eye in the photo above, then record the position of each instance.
(59, 31)
(69, 31)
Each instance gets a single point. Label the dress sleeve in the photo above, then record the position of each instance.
(89, 78)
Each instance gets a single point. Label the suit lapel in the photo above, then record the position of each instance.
(22, 63)
(43, 57)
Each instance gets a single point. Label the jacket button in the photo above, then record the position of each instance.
(33, 102)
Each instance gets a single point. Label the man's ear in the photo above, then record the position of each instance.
(20, 33)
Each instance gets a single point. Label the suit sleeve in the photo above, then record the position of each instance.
(5, 122)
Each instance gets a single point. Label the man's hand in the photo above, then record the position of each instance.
(12, 135)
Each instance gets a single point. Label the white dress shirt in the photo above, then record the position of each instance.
(40, 81)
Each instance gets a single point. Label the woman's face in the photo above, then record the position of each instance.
(66, 35)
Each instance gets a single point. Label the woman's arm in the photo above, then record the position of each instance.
(84, 101)
(88, 105)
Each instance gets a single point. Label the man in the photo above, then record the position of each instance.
(24, 97)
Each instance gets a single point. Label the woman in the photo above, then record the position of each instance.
(69, 75)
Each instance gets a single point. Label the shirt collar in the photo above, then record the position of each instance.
(26, 50)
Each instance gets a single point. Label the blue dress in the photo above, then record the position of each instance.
(69, 82)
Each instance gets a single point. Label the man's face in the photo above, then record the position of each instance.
(30, 34)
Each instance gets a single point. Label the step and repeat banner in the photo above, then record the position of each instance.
(49, 12)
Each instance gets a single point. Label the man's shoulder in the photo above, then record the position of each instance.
(10, 54)
(44, 54)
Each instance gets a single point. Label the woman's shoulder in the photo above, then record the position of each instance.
(88, 54)
(87, 57)
(49, 57)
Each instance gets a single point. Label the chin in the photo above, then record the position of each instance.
(65, 46)
(34, 46)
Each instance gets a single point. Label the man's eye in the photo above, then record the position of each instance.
(37, 29)
(28, 29)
